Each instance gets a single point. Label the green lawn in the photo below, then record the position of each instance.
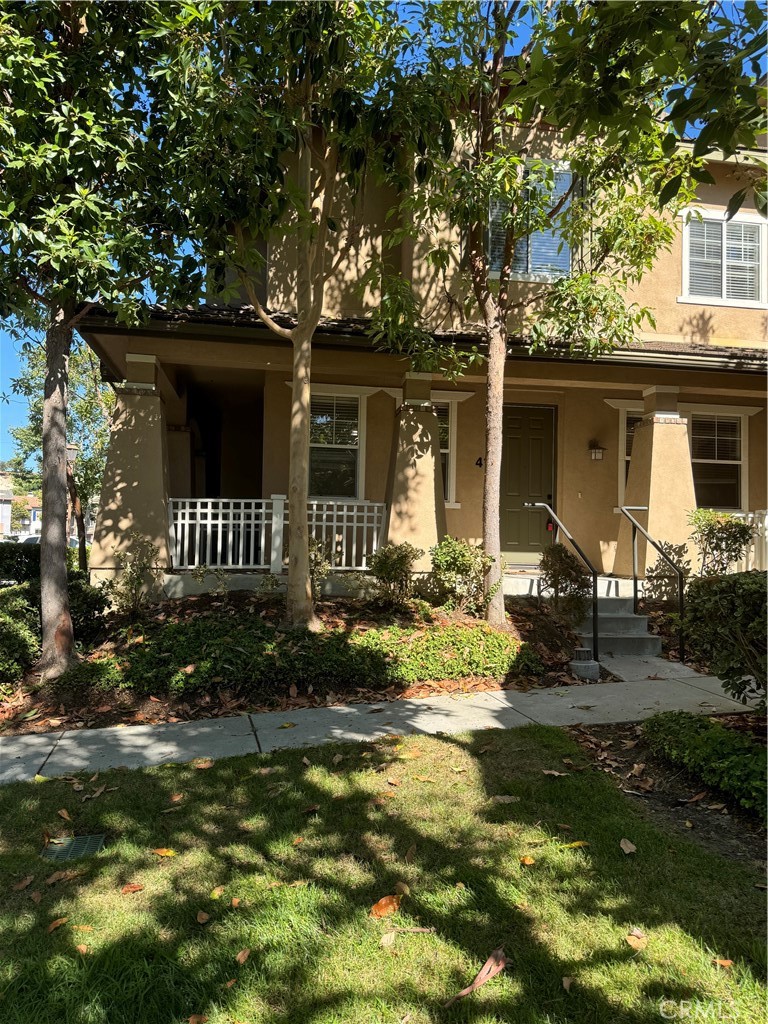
(315, 954)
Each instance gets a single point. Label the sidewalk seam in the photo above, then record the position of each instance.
(721, 696)
(255, 734)
(48, 756)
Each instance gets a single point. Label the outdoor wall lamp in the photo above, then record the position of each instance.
(596, 450)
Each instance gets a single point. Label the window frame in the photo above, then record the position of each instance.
(558, 166)
(345, 391)
(629, 408)
(719, 217)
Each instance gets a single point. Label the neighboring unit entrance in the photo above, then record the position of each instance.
(527, 474)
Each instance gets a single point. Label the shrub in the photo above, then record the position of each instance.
(136, 581)
(319, 565)
(725, 626)
(720, 757)
(21, 604)
(721, 538)
(18, 649)
(391, 573)
(459, 572)
(87, 606)
(565, 577)
(19, 563)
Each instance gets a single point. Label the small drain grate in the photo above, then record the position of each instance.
(70, 849)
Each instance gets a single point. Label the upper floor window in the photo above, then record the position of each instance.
(539, 255)
(334, 446)
(724, 260)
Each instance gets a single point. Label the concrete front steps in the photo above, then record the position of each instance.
(620, 631)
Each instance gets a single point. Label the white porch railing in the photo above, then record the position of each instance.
(757, 553)
(252, 533)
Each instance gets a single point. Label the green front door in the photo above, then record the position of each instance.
(527, 474)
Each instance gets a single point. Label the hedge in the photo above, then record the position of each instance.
(720, 757)
(725, 624)
(19, 563)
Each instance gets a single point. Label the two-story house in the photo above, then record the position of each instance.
(198, 461)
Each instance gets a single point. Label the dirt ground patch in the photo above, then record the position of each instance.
(672, 798)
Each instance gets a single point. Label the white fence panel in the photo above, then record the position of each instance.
(757, 553)
(226, 533)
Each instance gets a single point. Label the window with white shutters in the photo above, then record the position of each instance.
(333, 446)
(539, 253)
(725, 260)
(443, 413)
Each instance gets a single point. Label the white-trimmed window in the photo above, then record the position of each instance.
(444, 412)
(716, 456)
(334, 446)
(724, 262)
(539, 255)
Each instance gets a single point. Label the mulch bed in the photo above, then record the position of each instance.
(670, 796)
(37, 710)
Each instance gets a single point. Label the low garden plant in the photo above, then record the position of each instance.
(390, 579)
(566, 580)
(721, 538)
(458, 578)
(719, 757)
(244, 652)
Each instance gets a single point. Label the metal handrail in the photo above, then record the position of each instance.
(562, 528)
(627, 510)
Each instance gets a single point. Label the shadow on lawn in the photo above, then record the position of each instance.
(355, 852)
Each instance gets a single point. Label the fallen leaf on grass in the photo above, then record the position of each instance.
(423, 778)
(305, 761)
(243, 955)
(163, 851)
(82, 927)
(723, 963)
(202, 917)
(402, 888)
(215, 893)
(527, 861)
(338, 758)
(82, 950)
(392, 782)
(551, 771)
(171, 810)
(63, 876)
(505, 799)
(23, 883)
(230, 983)
(387, 939)
(56, 924)
(567, 982)
(176, 797)
(95, 794)
(131, 887)
(36, 896)
(457, 770)
(576, 845)
(637, 940)
(197, 1018)
(689, 824)
(312, 809)
(234, 902)
(297, 841)
(385, 906)
(207, 762)
(695, 799)
(410, 854)
(628, 847)
(64, 813)
(494, 965)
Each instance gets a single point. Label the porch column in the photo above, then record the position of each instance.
(415, 496)
(660, 477)
(135, 487)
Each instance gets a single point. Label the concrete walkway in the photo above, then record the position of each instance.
(648, 685)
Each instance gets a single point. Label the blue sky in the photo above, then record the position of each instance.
(12, 413)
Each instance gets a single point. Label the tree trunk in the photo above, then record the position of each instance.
(58, 641)
(301, 610)
(77, 511)
(494, 428)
